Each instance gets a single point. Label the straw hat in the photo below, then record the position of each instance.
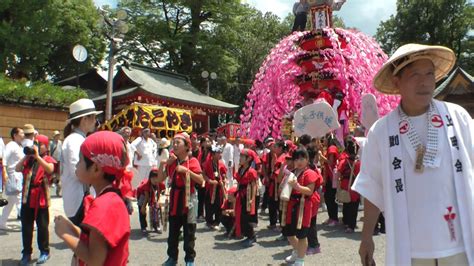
(442, 57)
(28, 129)
(56, 132)
(82, 107)
(164, 143)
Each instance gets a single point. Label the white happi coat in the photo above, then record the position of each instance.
(379, 189)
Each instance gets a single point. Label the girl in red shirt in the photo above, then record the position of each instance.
(185, 173)
(297, 221)
(332, 155)
(347, 170)
(215, 176)
(279, 148)
(245, 205)
(102, 238)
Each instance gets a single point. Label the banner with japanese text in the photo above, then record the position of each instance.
(154, 117)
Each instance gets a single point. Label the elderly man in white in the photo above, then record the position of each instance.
(417, 166)
(145, 154)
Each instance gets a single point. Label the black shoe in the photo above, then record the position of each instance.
(3, 202)
(249, 242)
(376, 231)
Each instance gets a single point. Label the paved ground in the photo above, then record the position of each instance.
(338, 248)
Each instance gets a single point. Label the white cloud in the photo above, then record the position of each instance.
(365, 15)
(279, 7)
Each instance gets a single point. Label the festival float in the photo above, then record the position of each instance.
(164, 121)
(324, 64)
(229, 130)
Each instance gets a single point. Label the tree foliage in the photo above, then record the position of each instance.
(440, 22)
(189, 37)
(38, 37)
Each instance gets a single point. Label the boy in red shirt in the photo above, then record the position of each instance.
(104, 234)
(184, 172)
(148, 193)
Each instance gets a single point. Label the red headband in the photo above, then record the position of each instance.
(184, 136)
(250, 153)
(108, 150)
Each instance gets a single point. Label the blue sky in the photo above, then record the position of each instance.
(365, 15)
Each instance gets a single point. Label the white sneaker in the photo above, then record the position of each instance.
(299, 262)
(292, 258)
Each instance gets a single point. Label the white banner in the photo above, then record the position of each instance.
(369, 111)
(316, 119)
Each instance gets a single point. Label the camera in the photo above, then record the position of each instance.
(28, 151)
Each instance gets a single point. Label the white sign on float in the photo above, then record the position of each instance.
(316, 119)
(370, 111)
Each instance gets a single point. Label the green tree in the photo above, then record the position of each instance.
(168, 33)
(441, 22)
(232, 40)
(38, 37)
(249, 39)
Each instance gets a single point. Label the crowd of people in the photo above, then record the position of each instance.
(230, 183)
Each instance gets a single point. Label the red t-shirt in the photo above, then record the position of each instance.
(328, 169)
(179, 180)
(145, 185)
(208, 169)
(316, 198)
(307, 178)
(109, 216)
(344, 169)
(37, 196)
(248, 177)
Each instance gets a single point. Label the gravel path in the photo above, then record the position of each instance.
(338, 248)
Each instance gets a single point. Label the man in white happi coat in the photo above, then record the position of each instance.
(417, 166)
(145, 154)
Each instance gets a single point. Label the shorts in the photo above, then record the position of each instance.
(290, 229)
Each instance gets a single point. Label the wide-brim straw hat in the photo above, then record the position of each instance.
(442, 57)
(82, 107)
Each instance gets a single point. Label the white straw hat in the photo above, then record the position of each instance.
(442, 57)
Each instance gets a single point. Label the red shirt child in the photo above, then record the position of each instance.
(104, 233)
(306, 178)
(344, 168)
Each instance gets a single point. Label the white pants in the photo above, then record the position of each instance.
(143, 172)
(458, 260)
(14, 200)
(230, 177)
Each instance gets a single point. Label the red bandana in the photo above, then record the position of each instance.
(108, 150)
